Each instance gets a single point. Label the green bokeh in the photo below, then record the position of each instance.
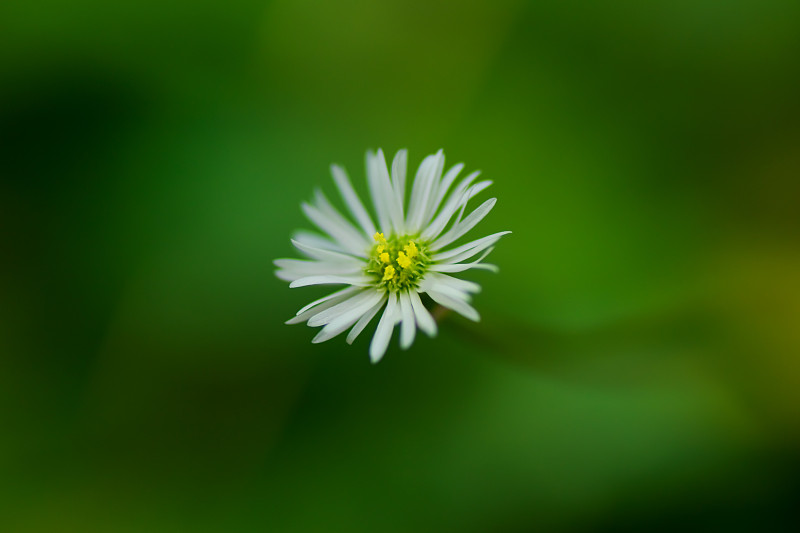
(638, 362)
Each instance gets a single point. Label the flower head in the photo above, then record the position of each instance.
(389, 266)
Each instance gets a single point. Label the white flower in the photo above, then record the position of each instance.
(391, 265)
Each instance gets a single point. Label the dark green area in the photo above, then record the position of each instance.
(637, 367)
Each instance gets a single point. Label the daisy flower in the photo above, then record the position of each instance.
(387, 267)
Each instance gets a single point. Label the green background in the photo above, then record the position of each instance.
(638, 362)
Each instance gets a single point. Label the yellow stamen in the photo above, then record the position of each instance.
(380, 248)
(403, 260)
(411, 250)
(379, 237)
(385, 257)
(389, 273)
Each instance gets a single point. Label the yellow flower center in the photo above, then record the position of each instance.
(403, 260)
(389, 273)
(399, 262)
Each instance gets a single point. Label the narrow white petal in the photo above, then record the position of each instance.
(471, 192)
(447, 181)
(361, 281)
(407, 327)
(459, 306)
(287, 276)
(377, 193)
(327, 315)
(324, 255)
(313, 268)
(364, 320)
(417, 184)
(344, 292)
(384, 332)
(348, 239)
(333, 299)
(423, 185)
(435, 284)
(456, 199)
(322, 203)
(352, 200)
(457, 283)
(440, 222)
(430, 204)
(399, 165)
(475, 246)
(391, 200)
(347, 318)
(479, 187)
(310, 239)
(424, 319)
(464, 226)
(292, 275)
(461, 267)
(474, 190)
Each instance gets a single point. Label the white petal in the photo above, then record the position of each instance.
(376, 191)
(314, 268)
(399, 165)
(352, 200)
(464, 226)
(474, 190)
(322, 304)
(468, 254)
(344, 292)
(429, 200)
(308, 238)
(392, 200)
(417, 185)
(435, 284)
(327, 315)
(290, 275)
(347, 318)
(384, 332)
(322, 203)
(422, 183)
(456, 199)
(479, 187)
(457, 283)
(361, 281)
(364, 320)
(325, 255)
(421, 193)
(444, 186)
(407, 326)
(347, 238)
(473, 248)
(287, 276)
(424, 319)
(461, 267)
(459, 306)
(440, 222)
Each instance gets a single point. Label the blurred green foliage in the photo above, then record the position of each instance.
(637, 366)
